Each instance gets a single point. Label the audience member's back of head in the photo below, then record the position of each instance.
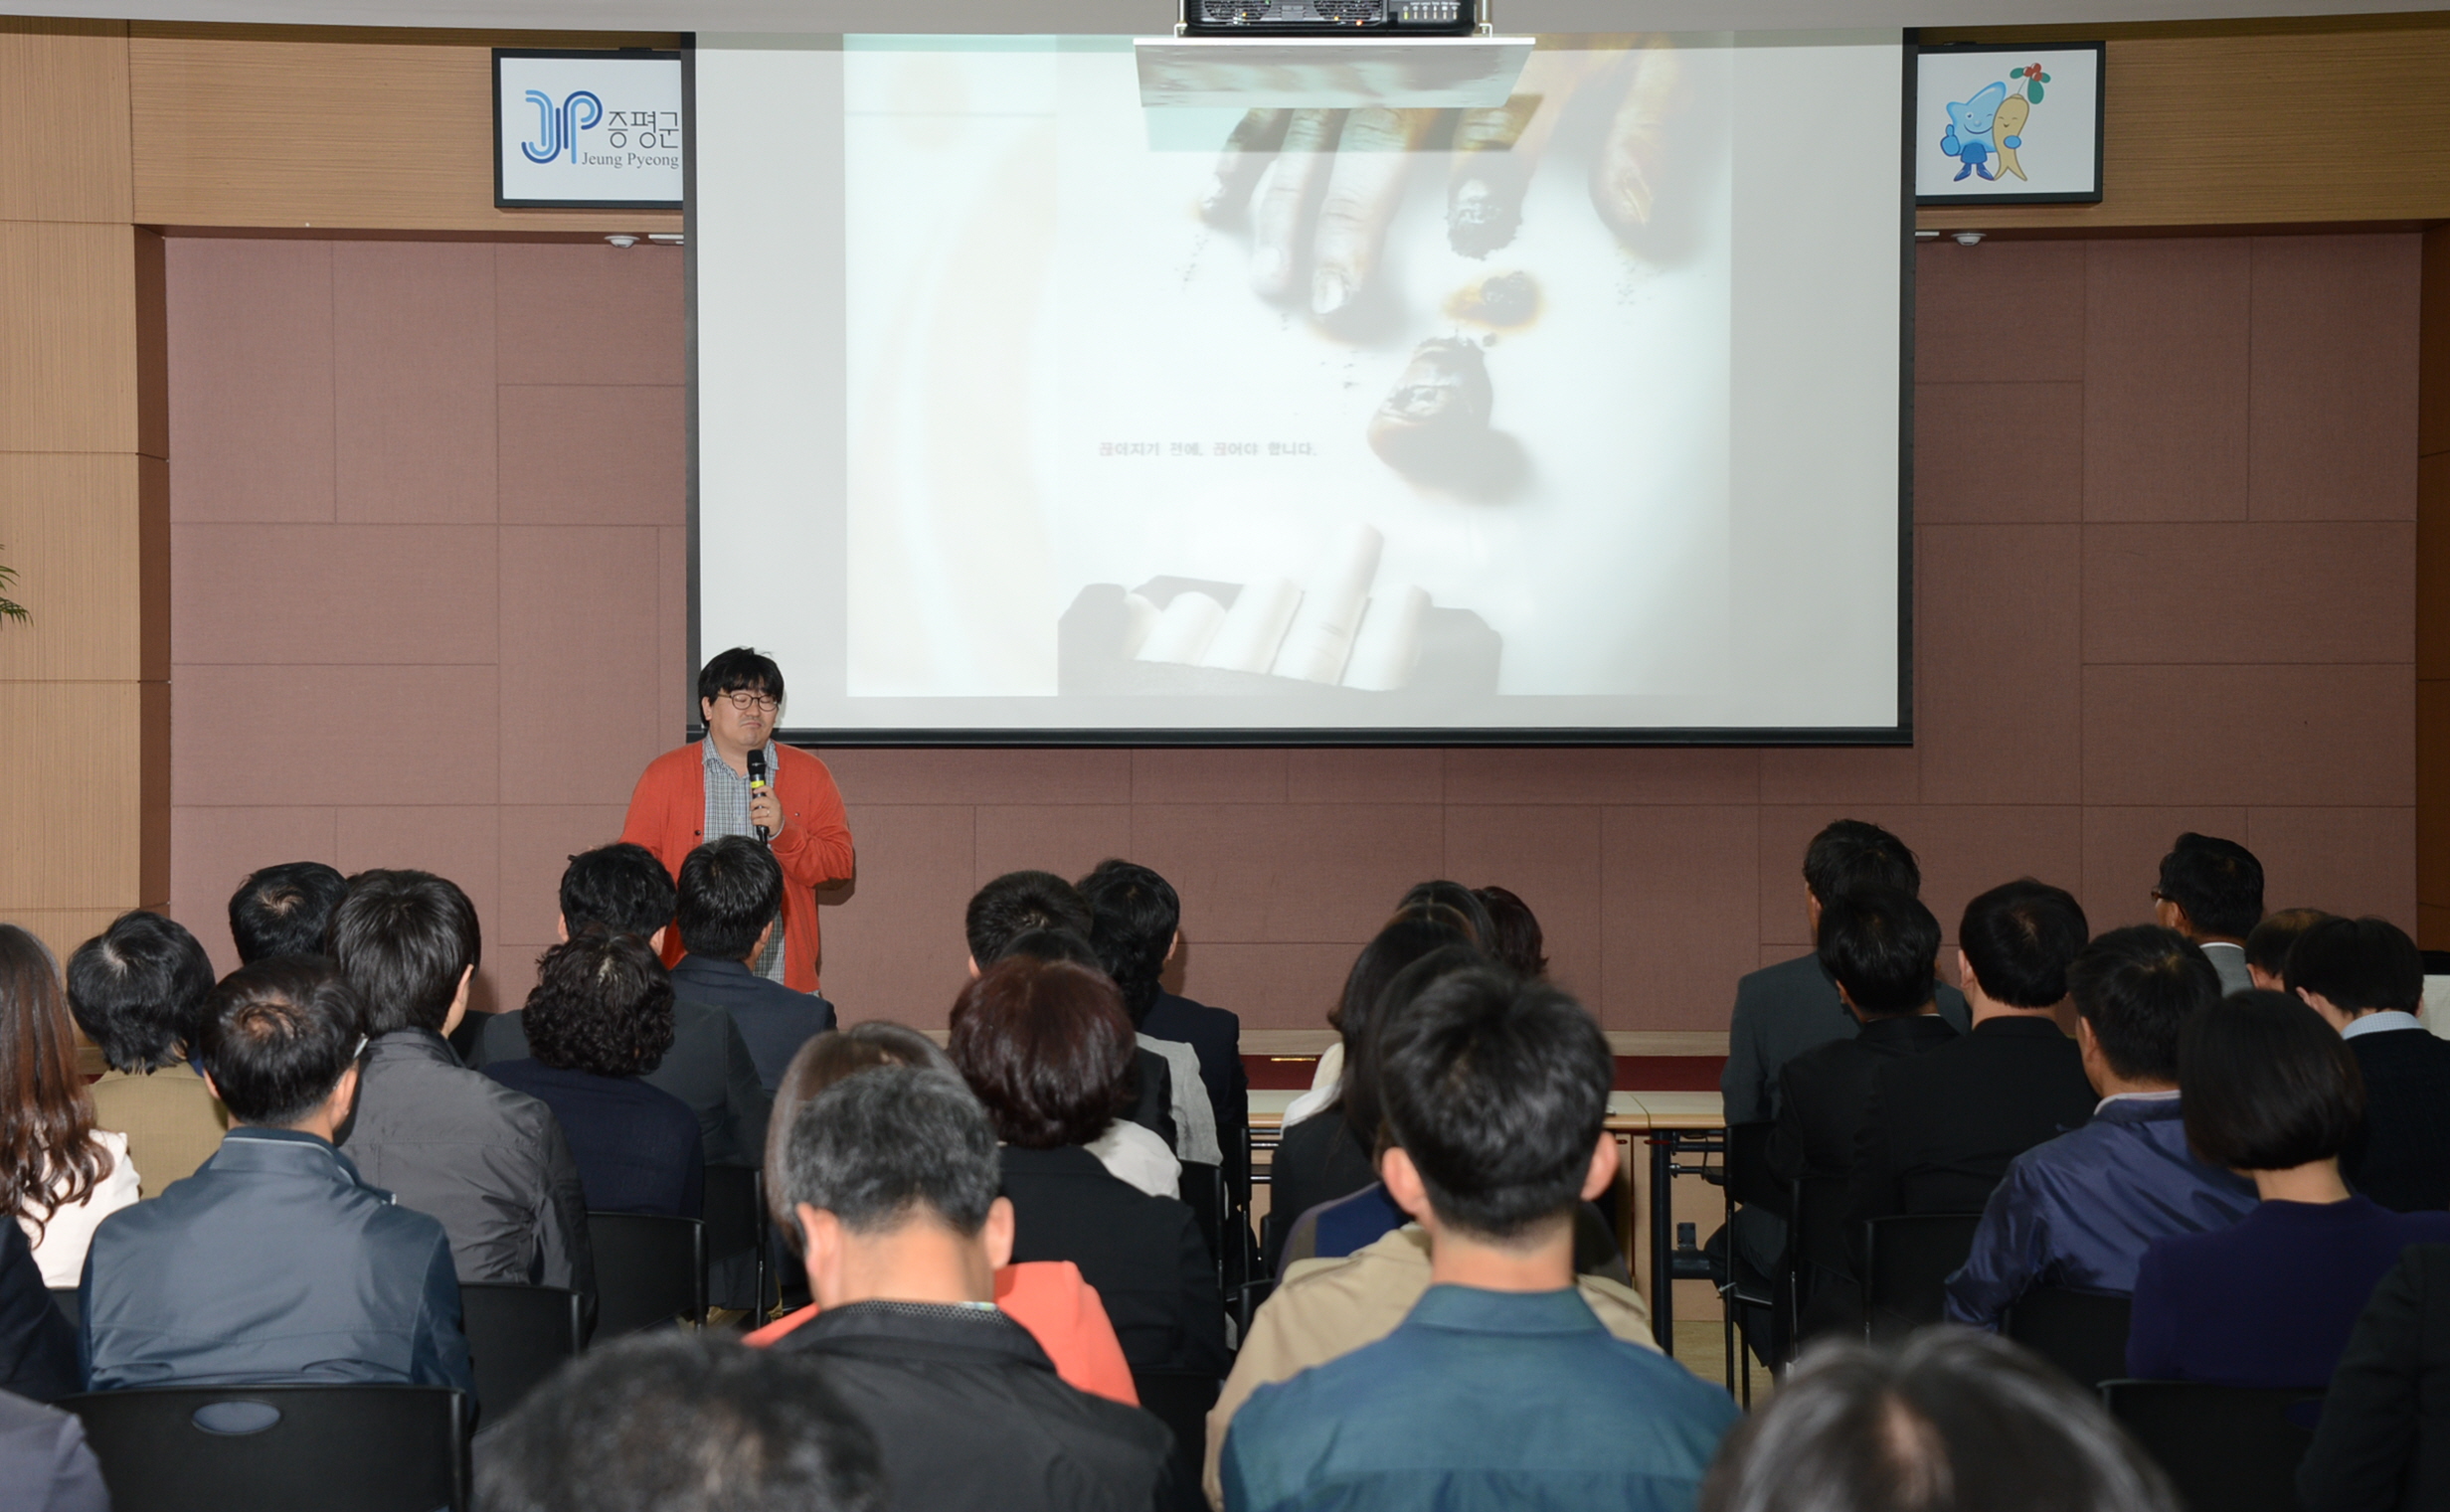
(620, 886)
(731, 889)
(1134, 914)
(1051, 945)
(286, 909)
(2267, 1085)
(405, 940)
(1358, 1100)
(827, 1058)
(1497, 1090)
(892, 1145)
(1046, 1046)
(2267, 947)
(1403, 939)
(1518, 943)
(1951, 1421)
(47, 1115)
(2019, 938)
(1853, 853)
(602, 1004)
(138, 990)
(277, 1034)
(1017, 903)
(2137, 987)
(2217, 882)
(2357, 965)
(1453, 894)
(1880, 943)
(683, 1423)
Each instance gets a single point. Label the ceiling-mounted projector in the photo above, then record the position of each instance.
(1331, 18)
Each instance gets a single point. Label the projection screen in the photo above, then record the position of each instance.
(1026, 411)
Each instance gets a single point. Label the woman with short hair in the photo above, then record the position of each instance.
(59, 1175)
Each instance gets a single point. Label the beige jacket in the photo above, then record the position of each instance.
(172, 1123)
(1330, 1307)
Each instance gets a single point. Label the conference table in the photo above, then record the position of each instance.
(1674, 1124)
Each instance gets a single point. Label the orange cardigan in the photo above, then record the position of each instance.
(667, 815)
(1060, 1310)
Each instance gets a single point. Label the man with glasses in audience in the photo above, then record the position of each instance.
(713, 789)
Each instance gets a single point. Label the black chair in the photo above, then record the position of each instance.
(72, 1307)
(1907, 1260)
(2083, 1333)
(649, 1271)
(1181, 1400)
(1762, 1305)
(736, 1242)
(517, 1336)
(2226, 1448)
(279, 1449)
(1202, 1188)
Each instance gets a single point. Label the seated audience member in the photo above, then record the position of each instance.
(275, 1262)
(731, 895)
(1020, 906)
(1350, 1225)
(2384, 1440)
(1335, 1154)
(45, 1462)
(2269, 1302)
(1943, 1127)
(286, 909)
(1501, 1387)
(894, 1175)
(2365, 978)
(490, 1163)
(59, 1174)
(2079, 1210)
(1478, 921)
(1327, 1074)
(1135, 925)
(1047, 1297)
(1881, 944)
(2268, 946)
(1946, 1421)
(1046, 1048)
(138, 990)
(683, 1423)
(599, 1019)
(625, 889)
(1136, 1152)
(1784, 1010)
(1517, 944)
(38, 1347)
(2212, 891)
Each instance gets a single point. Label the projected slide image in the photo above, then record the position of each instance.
(1335, 406)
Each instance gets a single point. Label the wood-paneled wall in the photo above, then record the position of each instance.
(85, 691)
(2433, 599)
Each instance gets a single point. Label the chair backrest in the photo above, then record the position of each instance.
(1181, 1400)
(2083, 1333)
(650, 1270)
(1749, 1179)
(736, 1230)
(2228, 1447)
(1907, 1260)
(517, 1336)
(1203, 1190)
(279, 1449)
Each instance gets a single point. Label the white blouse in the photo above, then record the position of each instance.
(61, 1249)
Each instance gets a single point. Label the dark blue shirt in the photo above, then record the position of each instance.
(637, 1145)
(1480, 1400)
(2271, 1300)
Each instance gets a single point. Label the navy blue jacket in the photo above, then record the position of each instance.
(2079, 1210)
(636, 1147)
(1216, 1036)
(775, 1020)
(38, 1348)
(275, 1263)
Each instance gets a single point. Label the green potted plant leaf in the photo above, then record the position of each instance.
(8, 609)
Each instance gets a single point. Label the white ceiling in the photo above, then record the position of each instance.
(1150, 16)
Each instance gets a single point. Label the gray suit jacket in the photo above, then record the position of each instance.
(2230, 961)
(708, 1067)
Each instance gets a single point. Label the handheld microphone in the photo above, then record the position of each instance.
(757, 784)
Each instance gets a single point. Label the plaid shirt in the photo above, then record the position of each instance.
(726, 813)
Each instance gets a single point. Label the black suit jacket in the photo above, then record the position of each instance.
(38, 1350)
(1943, 1127)
(2383, 1442)
(1142, 1253)
(775, 1020)
(1823, 1095)
(1318, 1160)
(2402, 1159)
(1216, 1035)
(708, 1067)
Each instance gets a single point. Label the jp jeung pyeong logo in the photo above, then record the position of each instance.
(627, 132)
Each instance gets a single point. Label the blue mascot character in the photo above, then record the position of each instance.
(1969, 130)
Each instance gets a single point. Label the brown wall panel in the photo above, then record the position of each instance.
(63, 120)
(68, 337)
(75, 806)
(74, 527)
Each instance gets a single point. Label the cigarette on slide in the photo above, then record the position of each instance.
(1253, 628)
(1388, 644)
(1320, 638)
(1184, 629)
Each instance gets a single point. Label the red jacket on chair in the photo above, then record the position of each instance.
(667, 815)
